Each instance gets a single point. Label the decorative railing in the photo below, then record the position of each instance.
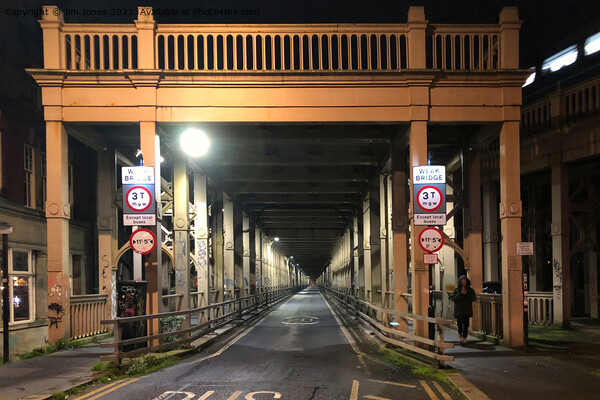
(490, 313)
(541, 307)
(277, 47)
(86, 313)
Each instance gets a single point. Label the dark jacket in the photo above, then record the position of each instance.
(463, 302)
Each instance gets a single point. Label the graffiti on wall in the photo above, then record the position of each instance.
(58, 311)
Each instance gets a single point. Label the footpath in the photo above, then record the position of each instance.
(557, 365)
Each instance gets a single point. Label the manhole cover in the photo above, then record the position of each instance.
(300, 320)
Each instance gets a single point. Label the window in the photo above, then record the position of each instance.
(20, 278)
(44, 185)
(28, 166)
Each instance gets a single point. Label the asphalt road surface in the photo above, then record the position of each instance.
(298, 351)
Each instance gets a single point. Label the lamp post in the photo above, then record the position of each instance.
(5, 230)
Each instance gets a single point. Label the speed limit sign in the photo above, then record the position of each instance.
(138, 198)
(142, 241)
(430, 198)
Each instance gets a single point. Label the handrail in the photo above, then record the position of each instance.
(368, 313)
(209, 318)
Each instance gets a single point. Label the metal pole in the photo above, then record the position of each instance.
(5, 299)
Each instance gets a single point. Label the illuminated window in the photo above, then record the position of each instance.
(530, 78)
(566, 57)
(28, 166)
(20, 278)
(592, 44)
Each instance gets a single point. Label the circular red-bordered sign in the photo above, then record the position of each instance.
(142, 241)
(431, 240)
(426, 198)
(138, 198)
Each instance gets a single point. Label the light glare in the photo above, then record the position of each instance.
(592, 44)
(276, 239)
(529, 80)
(562, 59)
(194, 142)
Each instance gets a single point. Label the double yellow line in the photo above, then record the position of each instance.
(103, 391)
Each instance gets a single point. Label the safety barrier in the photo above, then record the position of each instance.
(380, 319)
(196, 323)
(541, 307)
(490, 313)
(86, 313)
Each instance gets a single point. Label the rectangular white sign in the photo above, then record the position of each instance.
(137, 175)
(429, 174)
(139, 219)
(430, 219)
(430, 258)
(525, 248)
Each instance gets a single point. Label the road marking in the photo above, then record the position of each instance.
(112, 389)
(445, 395)
(169, 393)
(376, 397)
(250, 396)
(393, 383)
(430, 392)
(206, 395)
(85, 396)
(467, 388)
(235, 395)
(354, 393)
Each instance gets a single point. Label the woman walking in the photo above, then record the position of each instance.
(463, 297)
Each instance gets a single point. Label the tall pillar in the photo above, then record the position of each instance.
(400, 228)
(107, 231)
(383, 248)
(181, 236)
(229, 252)
(473, 225)
(201, 239)
(245, 255)
(561, 266)
(510, 225)
(258, 274)
(58, 212)
(376, 256)
(217, 243)
(490, 231)
(367, 248)
(355, 258)
(420, 271)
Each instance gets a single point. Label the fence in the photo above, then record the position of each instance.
(377, 317)
(541, 308)
(490, 313)
(197, 323)
(86, 313)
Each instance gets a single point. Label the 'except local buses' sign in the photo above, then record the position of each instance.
(142, 241)
(429, 195)
(139, 203)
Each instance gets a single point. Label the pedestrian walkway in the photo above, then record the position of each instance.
(562, 371)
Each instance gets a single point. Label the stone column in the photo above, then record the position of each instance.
(181, 226)
(383, 248)
(510, 225)
(245, 255)
(201, 239)
(355, 258)
(217, 243)
(58, 213)
(367, 247)
(561, 266)
(400, 228)
(258, 275)
(490, 231)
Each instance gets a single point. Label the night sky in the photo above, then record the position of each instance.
(548, 25)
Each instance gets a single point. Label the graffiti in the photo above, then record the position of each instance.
(202, 254)
(59, 311)
(105, 265)
(557, 270)
(557, 291)
(181, 246)
(179, 279)
(128, 301)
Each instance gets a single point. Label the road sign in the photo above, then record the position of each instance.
(142, 241)
(430, 258)
(430, 198)
(431, 240)
(427, 174)
(137, 175)
(139, 219)
(429, 195)
(525, 248)
(430, 219)
(138, 198)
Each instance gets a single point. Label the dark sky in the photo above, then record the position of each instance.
(548, 25)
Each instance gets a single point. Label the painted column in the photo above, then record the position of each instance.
(229, 252)
(490, 231)
(355, 258)
(107, 231)
(400, 235)
(510, 225)
(420, 271)
(561, 267)
(201, 239)
(383, 241)
(245, 255)
(258, 275)
(217, 243)
(58, 213)
(473, 225)
(367, 247)
(181, 224)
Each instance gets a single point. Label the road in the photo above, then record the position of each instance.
(298, 351)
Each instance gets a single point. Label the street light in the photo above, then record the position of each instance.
(194, 142)
(276, 239)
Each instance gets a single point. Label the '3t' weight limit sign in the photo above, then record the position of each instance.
(138, 198)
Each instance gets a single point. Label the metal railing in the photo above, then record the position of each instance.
(196, 323)
(86, 313)
(541, 307)
(490, 313)
(380, 319)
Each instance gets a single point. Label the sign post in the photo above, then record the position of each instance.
(429, 188)
(5, 230)
(139, 205)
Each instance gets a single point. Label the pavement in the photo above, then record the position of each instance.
(301, 350)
